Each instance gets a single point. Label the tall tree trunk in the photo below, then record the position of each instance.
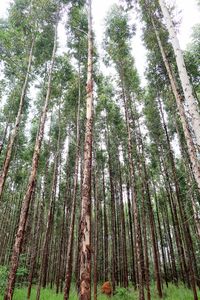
(188, 240)
(15, 130)
(96, 237)
(35, 248)
(144, 222)
(151, 220)
(30, 187)
(123, 231)
(161, 241)
(133, 271)
(68, 275)
(191, 102)
(49, 226)
(136, 216)
(112, 221)
(176, 225)
(105, 220)
(85, 222)
(179, 102)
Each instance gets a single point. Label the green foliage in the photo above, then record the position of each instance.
(22, 273)
(122, 293)
(77, 27)
(3, 278)
(192, 58)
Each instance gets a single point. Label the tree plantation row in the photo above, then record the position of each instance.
(99, 176)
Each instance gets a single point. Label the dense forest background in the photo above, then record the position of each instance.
(99, 175)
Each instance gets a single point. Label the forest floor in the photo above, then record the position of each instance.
(170, 293)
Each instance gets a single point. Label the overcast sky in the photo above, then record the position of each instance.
(187, 12)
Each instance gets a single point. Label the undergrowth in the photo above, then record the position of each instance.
(170, 293)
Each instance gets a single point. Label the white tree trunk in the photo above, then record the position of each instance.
(188, 137)
(184, 78)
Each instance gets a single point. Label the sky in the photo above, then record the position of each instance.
(187, 12)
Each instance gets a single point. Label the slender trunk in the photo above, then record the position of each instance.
(105, 231)
(170, 253)
(113, 221)
(133, 271)
(30, 187)
(136, 217)
(49, 226)
(85, 222)
(179, 102)
(123, 231)
(183, 217)
(15, 130)
(152, 224)
(144, 222)
(176, 225)
(96, 234)
(68, 275)
(161, 241)
(191, 102)
(34, 249)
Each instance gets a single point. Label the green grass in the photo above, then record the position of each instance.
(172, 293)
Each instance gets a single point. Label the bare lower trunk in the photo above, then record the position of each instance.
(123, 232)
(47, 239)
(15, 130)
(183, 217)
(30, 188)
(136, 217)
(105, 230)
(85, 222)
(151, 218)
(131, 237)
(112, 221)
(96, 234)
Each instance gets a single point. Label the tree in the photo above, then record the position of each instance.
(192, 106)
(31, 184)
(85, 221)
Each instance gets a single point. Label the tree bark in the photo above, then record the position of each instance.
(85, 222)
